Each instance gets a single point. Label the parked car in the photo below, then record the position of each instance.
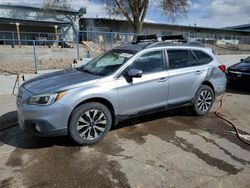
(124, 82)
(239, 73)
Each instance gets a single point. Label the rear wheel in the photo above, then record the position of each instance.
(204, 100)
(90, 122)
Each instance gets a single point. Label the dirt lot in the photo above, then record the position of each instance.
(21, 60)
(168, 149)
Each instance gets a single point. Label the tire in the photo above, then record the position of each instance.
(201, 105)
(90, 122)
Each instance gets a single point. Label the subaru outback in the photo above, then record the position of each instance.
(126, 81)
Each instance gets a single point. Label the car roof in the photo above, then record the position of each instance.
(147, 45)
(133, 47)
(152, 40)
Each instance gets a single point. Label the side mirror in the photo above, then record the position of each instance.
(242, 60)
(134, 73)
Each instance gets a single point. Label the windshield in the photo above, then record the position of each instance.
(108, 63)
(247, 59)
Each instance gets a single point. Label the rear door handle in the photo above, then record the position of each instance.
(198, 72)
(162, 79)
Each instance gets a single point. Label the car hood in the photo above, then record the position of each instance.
(241, 66)
(60, 80)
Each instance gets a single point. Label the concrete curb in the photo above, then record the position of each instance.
(9, 83)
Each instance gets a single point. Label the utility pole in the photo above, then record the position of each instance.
(18, 34)
(57, 37)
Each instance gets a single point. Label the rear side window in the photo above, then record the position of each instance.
(181, 58)
(203, 58)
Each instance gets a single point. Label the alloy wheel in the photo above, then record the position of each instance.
(204, 100)
(91, 124)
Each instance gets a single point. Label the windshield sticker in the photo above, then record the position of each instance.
(126, 55)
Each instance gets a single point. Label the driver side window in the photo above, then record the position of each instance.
(150, 62)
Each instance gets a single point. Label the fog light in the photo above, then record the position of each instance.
(38, 129)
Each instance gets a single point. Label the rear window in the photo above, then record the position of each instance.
(203, 58)
(181, 58)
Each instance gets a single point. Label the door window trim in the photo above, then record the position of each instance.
(189, 51)
(132, 61)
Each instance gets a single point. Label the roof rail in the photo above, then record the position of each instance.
(179, 43)
(145, 38)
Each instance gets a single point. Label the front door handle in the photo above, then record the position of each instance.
(162, 79)
(198, 72)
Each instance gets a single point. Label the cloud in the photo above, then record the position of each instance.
(21, 1)
(218, 13)
(94, 8)
(206, 13)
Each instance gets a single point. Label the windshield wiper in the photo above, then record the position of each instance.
(87, 71)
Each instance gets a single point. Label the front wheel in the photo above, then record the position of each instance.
(204, 100)
(90, 122)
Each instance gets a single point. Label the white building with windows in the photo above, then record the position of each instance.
(29, 19)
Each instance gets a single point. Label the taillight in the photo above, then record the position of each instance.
(223, 68)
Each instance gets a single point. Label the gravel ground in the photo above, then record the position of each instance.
(167, 149)
(21, 60)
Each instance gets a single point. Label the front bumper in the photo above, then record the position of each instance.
(52, 120)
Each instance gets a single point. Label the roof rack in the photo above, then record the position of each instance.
(145, 38)
(172, 37)
(171, 40)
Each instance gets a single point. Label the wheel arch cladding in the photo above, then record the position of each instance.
(207, 83)
(100, 100)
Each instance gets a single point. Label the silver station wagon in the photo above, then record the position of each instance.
(149, 75)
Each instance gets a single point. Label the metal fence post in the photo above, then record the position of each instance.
(77, 45)
(13, 40)
(111, 40)
(3, 39)
(26, 40)
(39, 38)
(34, 54)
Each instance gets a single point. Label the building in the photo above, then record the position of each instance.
(112, 25)
(97, 29)
(245, 27)
(32, 22)
(20, 23)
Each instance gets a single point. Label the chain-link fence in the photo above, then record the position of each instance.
(28, 52)
(37, 55)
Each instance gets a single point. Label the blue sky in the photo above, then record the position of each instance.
(205, 13)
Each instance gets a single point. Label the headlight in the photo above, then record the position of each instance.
(45, 99)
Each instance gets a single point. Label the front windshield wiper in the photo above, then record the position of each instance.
(86, 70)
(82, 69)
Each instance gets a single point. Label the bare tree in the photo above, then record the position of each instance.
(56, 3)
(135, 11)
(49, 4)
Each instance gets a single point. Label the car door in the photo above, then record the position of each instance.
(185, 75)
(149, 91)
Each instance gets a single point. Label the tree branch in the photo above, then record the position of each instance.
(145, 5)
(124, 12)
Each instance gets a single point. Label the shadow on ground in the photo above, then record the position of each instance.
(16, 137)
(232, 89)
(8, 119)
(92, 163)
(166, 123)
